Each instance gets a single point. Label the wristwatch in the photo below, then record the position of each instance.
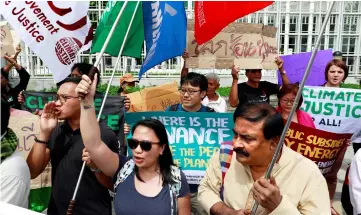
(97, 170)
(284, 72)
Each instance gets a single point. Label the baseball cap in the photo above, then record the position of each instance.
(128, 78)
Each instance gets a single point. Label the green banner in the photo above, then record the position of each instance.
(193, 137)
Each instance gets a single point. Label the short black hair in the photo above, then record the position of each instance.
(273, 123)
(5, 116)
(195, 80)
(75, 80)
(84, 69)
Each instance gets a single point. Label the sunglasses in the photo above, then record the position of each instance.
(144, 145)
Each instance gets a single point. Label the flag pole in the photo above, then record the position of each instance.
(295, 104)
(118, 59)
(72, 201)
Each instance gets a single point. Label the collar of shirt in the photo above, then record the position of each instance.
(67, 129)
(219, 100)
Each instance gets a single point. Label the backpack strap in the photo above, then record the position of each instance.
(225, 158)
(174, 107)
(123, 174)
(174, 189)
(210, 109)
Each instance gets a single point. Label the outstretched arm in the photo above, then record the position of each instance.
(102, 156)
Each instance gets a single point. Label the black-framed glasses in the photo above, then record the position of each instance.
(287, 101)
(144, 145)
(189, 91)
(63, 98)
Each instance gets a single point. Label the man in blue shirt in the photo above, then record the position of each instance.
(193, 89)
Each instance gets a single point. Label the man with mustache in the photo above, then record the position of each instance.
(254, 90)
(63, 145)
(296, 185)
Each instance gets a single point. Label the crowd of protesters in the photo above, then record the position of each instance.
(150, 182)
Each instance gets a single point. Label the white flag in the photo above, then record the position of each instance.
(55, 31)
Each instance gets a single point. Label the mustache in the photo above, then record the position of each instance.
(240, 151)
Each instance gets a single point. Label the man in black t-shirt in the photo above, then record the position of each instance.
(254, 90)
(62, 144)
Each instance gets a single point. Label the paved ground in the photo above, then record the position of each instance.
(341, 177)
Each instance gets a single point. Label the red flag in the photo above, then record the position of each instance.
(212, 16)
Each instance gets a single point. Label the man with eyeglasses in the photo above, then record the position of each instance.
(193, 89)
(254, 90)
(63, 145)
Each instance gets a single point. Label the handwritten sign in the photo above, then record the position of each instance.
(154, 98)
(245, 45)
(335, 110)
(6, 39)
(193, 137)
(296, 65)
(319, 146)
(25, 128)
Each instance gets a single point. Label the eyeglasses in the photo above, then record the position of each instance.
(286, 101)
(189, 91)
(144, 145)
(63, 98)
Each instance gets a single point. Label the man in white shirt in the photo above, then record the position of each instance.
(14, 171)
(355, 183)
(213, 99)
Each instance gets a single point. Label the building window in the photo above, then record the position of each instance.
(348, 44)
(293, 24)
(271, 20)
(351, 6)
(304, 28)
(350, 24)
(350, 62)
(332, 23)
(314, 24)
(304, 43)
(282, 47)
(332, 42)
(292, 41)
(283, 24)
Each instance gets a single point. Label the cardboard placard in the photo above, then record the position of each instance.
(156, 98)
(6, 40)
(26, 128)
(245, 45)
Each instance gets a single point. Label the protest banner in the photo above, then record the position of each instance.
(156, 98)
(336, 110)
(245, 45)
(113, 113)
(55, 31)
(319, 146)
(10, 209)
(6, 39)
(193, 137)
(296, 65)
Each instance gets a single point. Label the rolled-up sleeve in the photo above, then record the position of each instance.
(314, 200)
(208, 191)
(355, 183)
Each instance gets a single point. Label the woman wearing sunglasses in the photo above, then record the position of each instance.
(286, 97)
(147, 184)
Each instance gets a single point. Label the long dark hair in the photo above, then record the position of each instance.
(166, 159)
